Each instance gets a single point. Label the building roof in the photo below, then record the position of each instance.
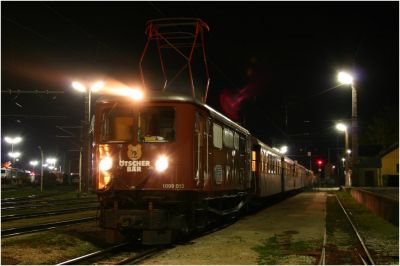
(389, 149)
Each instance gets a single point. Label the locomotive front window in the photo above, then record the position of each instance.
(156, 124)
(117, 125)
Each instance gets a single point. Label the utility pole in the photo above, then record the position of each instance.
(41, 169)
(354, 128)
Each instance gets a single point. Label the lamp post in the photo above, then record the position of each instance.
(85, 171)
(343, 128)
(346, 79)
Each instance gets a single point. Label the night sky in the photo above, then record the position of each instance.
(284, 55)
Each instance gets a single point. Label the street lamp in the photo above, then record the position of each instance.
(12, 141)
(87, 150)
(347, 79)
(343, 128)
(14, 155)
(33, 163)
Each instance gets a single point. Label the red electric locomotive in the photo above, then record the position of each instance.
(167, 165)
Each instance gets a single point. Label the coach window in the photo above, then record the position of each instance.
(117, 125)
(156, 124)
(236, 141)
(217, 136)
(242, 145)
(228, 138)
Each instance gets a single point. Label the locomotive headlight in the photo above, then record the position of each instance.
(161, 163)
(105, 164)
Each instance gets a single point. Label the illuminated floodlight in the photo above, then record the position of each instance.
(78, 86)
(51, 160)
(33, 163)
(11, 140)
(343, 159)
(14, 154)
(97, 86)
(341, 127)
(348, 151)
(345, 78)
(284, 149)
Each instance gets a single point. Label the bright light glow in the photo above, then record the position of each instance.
(97, 86)
(135, 94)
(45, 165)
(161, 163)
(105, 164)
(34, 163)
(345, 78)
(343, 159)
(13, 140)
(107, 178)
(348, 151)
(78, 86)
(51, 167)
(51, 160)
(341, 127)
(14, 154)
(333, 167)
(283, 149)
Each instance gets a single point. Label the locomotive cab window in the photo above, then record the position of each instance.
(217, 136)
(156, 124)
(117, 125)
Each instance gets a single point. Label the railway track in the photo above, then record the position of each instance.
(44, 201)
(116, 255)
(129, 253)
(11, 217)
(360, 251)
(30, 197)
(44, 205)
(43, 227)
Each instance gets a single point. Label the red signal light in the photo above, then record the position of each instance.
(319, 162)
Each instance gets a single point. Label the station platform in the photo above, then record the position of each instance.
(297, 219)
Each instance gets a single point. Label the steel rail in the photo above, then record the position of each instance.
(37, 206)
(41, 214)
(80, 260)
(38, 200)
(370, 260)
(42, 227)
(133, 260)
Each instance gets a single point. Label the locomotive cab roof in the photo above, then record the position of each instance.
(159, 96)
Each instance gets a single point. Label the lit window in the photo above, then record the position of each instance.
(217, 136)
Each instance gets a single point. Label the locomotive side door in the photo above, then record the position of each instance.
(201, 150)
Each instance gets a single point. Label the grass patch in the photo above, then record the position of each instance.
(52, 247)
(380, 236)
(55, 192)
(281, 249)
(366, 220)
(337, 226)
